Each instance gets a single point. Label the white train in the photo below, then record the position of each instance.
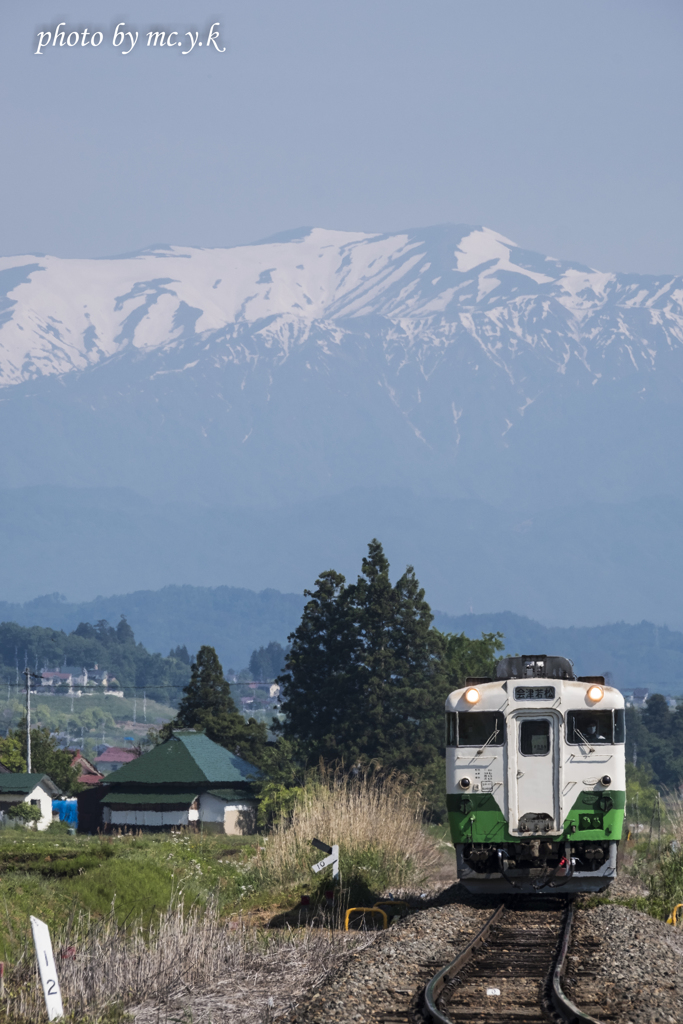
(536, 780)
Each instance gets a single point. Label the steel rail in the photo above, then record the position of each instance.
(434, 987)
(562, 1004)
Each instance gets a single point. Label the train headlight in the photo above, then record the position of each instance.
(606, 780)
(595, 693)
(472, 695)
(465, 783)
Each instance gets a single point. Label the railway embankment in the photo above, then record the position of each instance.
(384, 982)
(621, 962)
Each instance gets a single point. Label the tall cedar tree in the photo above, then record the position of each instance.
(207, 704)
(367, 676)
(318, 688)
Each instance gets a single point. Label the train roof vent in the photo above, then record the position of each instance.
(527, 666)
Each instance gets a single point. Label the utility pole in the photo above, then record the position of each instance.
(29, 676)
(27, 673)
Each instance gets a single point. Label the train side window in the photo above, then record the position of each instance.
(589, 727)
(534, 740)
(451, 729)
(476, 728)
(619, 725)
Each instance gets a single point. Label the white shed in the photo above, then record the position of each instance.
(35, 788)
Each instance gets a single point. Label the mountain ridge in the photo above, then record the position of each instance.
(420, 370)
(237, 620)
(339, 359)
(364, 275)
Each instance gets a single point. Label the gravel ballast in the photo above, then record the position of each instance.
(637, 962)
(634, 962)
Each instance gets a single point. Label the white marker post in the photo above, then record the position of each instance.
(46, 966)
(331, 859)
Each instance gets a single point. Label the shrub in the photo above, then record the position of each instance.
(26, 813)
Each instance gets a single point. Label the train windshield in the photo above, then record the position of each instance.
(475, 729)
(591, 727)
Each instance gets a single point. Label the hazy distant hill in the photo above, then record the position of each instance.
(232, 620)
(637, 655)
(237, 621)
(585, 562)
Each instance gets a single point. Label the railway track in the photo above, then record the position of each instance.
(511, 971)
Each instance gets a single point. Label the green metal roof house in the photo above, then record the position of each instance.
(35, 788)
(188, 779)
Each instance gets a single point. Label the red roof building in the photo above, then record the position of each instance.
(114, 758)
(89, 773)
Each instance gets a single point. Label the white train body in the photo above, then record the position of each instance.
(536, 778)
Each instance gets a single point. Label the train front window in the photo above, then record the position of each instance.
(589, 727)
(475, 729)
(619, 725)
(534, 740)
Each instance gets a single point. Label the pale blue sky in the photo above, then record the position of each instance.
(556, 123)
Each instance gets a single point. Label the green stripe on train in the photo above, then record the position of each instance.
(477, 818)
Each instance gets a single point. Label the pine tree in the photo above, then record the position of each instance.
(317, 684)
(399, 666)
(364, 669)
(208, 704)
(367, 676)
(124, 633)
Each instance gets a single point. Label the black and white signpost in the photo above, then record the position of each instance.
(46, 966)
(332, 859)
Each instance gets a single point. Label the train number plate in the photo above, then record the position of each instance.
(534, 693)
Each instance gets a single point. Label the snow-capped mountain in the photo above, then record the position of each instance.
(510, 423)
(435, 288)
(445, 358)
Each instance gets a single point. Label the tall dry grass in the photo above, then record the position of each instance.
(374, 816)
(231, 971)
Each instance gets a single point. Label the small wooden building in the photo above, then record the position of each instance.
(36, 788)
(187, 780)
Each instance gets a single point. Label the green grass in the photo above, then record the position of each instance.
(51, 875)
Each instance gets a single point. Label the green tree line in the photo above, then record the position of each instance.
(654, 742)
(109, 647)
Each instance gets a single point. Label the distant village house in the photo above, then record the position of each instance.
(78, 680)
(113, 758)
(89, 774)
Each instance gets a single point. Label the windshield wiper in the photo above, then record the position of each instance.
(489, 740)
(591, 750)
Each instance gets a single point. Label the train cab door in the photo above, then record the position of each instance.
(534, 771)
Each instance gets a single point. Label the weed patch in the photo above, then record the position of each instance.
(376, 820)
